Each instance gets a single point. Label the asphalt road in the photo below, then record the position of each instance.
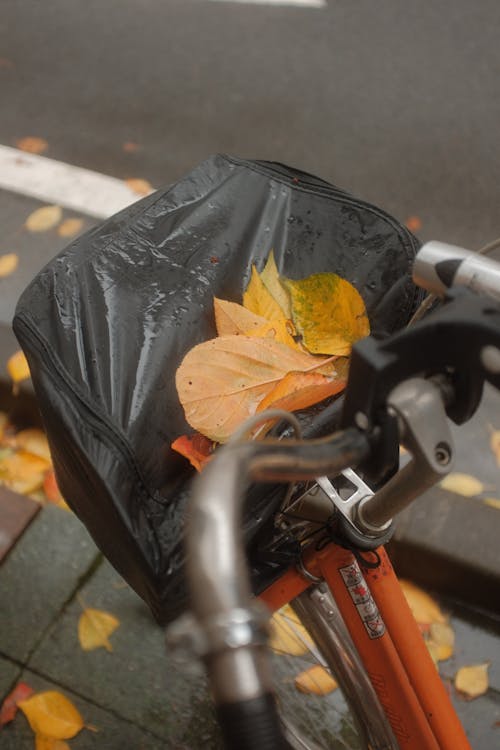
(396, 102)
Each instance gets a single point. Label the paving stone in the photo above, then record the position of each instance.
(139, 679)
(16, 513)
(39, 576)
(9, 674)
(111, 732)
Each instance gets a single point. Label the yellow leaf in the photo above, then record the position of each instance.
(70, 227)
(32, 145)
(329, 313)
(462, 484)
(44, 218)
(8, 264)
(222, 381)
(299, 390)
(440, 641)
(49, 743)
(272, 281)
(32, 440)
(4, 421)
(279, 330)
(139, 186)
(288, 635)
(493, 502)
(232, 319)
(258, 300)
(472, 681)
(52, 715)
(94, 629)
(425, 609)
(494, 444)
(17, 367)
(316, 681)
(23, 472)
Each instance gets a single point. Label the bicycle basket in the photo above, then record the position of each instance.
(106, 323)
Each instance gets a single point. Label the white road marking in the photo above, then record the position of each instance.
(53, 181)
(300, 3)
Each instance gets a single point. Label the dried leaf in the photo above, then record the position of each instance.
(139, 186)
(493, 502)
(32, 145)
(94, 629)
(272, 281)
(32, 440)
(280, 330)
(52, 491)
(495, 444)
(425, 609)
(414, 223)
(44, 218)
(8, 264)
(288, 635)
(472, 681)
(232, 319)
(70, 227)
(17, 367)
(258, 299)
(222, 381)
(328, 312)
(9, 706)
(49, 743)
(462, 484)
(53, 715)
(299, 390)
(196, 448)
(315, 681)
(440, 641)
(23, 472)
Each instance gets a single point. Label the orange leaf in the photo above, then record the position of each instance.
(70, 227)
(414, 223)
(17, 367)
(279, 329)
(328, 312)
(52, 491)
(315, 681)
(32, 440)
(222, 381)
(51, 714)
(23, 472)
(9, 706)
(44, 218)
(196, 448)
(139, 186)
(231, 318)
(8, 264)
(94, 628)
(49, 743)
(299, 390)
(259, 300)
(32, 145)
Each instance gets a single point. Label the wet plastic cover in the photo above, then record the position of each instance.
(107, 322)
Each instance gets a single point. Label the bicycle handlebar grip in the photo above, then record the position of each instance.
(252, 725)
(439, 266)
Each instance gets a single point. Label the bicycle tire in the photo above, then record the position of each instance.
(350, 718)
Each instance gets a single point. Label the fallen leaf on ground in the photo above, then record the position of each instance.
(94, 629)
(32, 144)
(17, 367)
(130, 147)
(70, 227)
(493, 502)
(424, 608)
(222, 381)
(139, 186)
(279, 329)
(272, 281)
(52, 491)
(462, 484)
(196, 448)
(414, 223)
(44, 218)
(9, 705)
(440, 641)
(288, 635)
(32, 440)
(259, 300)
(316, 681)
(52, 715)
(328, 312)
(472, 681)
(232, 319)
(8, 264)
(49, 743)
(23, 472)
(299, 390)
(495, 444)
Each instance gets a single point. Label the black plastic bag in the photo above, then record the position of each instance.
(107, 322)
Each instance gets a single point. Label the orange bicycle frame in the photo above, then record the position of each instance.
(388, 641)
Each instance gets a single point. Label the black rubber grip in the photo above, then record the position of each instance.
(251, 725)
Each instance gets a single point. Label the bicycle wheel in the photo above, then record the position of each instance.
(347, 718)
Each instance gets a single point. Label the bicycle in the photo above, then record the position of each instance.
(401, 389)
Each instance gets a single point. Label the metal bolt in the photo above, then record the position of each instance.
(443, 454)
